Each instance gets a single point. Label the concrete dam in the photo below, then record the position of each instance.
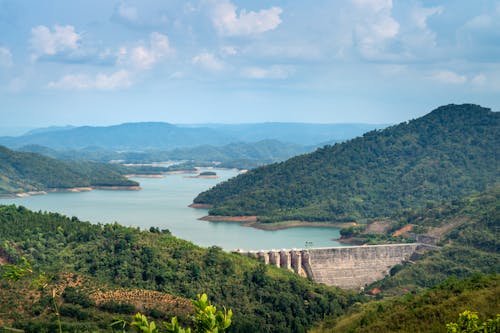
(349, 267)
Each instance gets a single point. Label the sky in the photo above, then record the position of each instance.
(97, 62)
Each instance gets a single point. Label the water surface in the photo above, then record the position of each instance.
(162, 203)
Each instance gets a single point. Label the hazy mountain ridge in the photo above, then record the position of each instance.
(254, 153)
(165, 136)
(446, 154)
(307, 134)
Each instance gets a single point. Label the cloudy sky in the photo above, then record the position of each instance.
(380, 61)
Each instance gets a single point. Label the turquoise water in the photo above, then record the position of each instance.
(162, 203)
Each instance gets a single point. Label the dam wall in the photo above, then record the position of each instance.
(349, 267)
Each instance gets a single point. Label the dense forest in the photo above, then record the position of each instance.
(421, 295)
(111, 257)
(23, 172)
(445, 155)
(467, 231)
(428, 311)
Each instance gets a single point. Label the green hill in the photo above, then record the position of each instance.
(423, 295)
(467, 230)
(113, 257)
(23, 172)
(447, 154)
(428, 311)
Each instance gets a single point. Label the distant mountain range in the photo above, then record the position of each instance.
(299, 133)
(447, 154)
(241, 155)
(164, 136)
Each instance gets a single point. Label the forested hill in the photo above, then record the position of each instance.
(111, 257)
(469, 239)
(23, 172)
(444, 155)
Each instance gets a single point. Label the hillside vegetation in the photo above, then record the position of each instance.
(445, 155)
(428, 311)
(23, 172)
(423, 295)
(470, 246)
(240, 155)
(263, 298)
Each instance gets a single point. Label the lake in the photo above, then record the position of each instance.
(163, 202)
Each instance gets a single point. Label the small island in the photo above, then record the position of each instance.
(205, 174)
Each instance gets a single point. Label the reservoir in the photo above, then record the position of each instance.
(163, 203)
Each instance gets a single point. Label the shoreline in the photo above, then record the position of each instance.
(251, 221)
(203, 177)
(145, 175)
(180, 172)
(69, 190)
(200, 206)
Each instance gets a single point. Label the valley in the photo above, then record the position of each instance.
(230, 166)
(282, 226)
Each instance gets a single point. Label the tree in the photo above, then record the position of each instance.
(206, 320)
(468, 322)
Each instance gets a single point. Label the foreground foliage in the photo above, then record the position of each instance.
(263, 299)
(468, 322)
(207, 320)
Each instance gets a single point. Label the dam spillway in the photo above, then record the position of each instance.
(349, 267)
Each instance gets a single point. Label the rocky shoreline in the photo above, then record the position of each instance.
(251, 221)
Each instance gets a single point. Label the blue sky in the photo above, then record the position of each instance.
(379, 61)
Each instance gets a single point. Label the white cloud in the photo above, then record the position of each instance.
(117, 80)
(229, 23)
(5, 57)
(421, 14)
(128, 13)
(375, 27)
(208, 62)
(446, 76)
(62, 38)
(373, 5)
(272, 72)
(479, 79)
(229, 50)
(144, 57)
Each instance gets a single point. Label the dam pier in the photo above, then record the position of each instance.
(348, 267)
